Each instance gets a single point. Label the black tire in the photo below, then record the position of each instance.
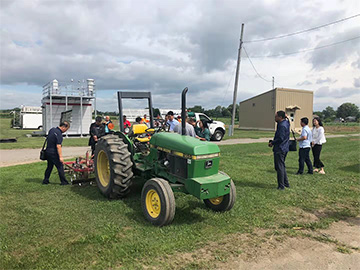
(218, 135)
(158, 202)
(113, 166)
(223, 203)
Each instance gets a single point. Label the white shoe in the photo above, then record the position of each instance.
(322, 172)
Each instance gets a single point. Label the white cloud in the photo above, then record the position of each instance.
(163, 47)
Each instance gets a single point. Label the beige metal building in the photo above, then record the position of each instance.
(258, 112)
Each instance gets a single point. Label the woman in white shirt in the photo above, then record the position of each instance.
(318, 139)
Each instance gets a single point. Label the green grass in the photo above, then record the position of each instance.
(72, 227)
(252, 134)
(33, 142)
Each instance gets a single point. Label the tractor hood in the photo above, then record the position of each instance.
(183, 144)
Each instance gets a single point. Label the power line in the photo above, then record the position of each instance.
(306, 50)
(302, 31)
(254, 66)
(227, 89)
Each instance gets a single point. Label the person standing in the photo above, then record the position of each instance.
(126, 122)
(280, 145)
(189, 129)
(146, 121)
(96, 130)
(54, 153)
(304, 147)
(108, 128)
(318, 139)
(171, 121)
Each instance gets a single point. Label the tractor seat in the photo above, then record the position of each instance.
(139, 131)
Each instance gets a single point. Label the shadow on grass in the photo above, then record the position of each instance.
(39, 181)
(256, 184)
(351, 168)
(91, 192)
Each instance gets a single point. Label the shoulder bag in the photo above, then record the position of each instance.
(292, 143)
(42, 152)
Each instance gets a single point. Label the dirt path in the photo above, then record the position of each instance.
(23, 156)
(335, 248)
(339, 250)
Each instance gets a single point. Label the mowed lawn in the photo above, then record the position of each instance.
(73, 227)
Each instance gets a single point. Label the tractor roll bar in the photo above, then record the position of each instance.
(134, 95)
(183, 111)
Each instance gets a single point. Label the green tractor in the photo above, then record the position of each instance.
(172, 163)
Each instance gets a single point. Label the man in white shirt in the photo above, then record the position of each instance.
(171, 121)
(304, 147)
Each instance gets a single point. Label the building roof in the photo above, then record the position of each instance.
(279, 89)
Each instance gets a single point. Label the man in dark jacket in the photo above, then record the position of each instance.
(54, 153)
(97, 129)
(280, 145)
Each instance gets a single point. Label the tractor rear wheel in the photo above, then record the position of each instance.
(113, 166)
(223, 203)
(158, 202)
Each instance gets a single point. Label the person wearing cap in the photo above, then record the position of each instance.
(179, 118)
(171, 121)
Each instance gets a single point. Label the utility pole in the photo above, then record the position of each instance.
(273, 82)
(236, 82)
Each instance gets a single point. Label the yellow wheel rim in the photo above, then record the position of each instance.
(153, 204)
(216, 201)
(103, 168)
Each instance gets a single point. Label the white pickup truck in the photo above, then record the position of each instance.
(217, 128)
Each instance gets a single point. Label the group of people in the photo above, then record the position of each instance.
(308, 140)
(197, 129)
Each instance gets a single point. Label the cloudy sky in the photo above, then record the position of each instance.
(164, 46)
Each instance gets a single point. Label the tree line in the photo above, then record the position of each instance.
(328, 114)
(343, 111)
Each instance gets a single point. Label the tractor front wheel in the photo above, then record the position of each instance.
(223, 203)
(158, 202)
(113, 166)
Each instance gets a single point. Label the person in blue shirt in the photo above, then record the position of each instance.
(54, 153)
(280, 145)
(171, 121)
(304, 147)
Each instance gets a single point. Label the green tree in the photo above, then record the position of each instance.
(319, 113)
(226, 113)
(329, 113)
(347, 109)
(197, 109)
(230, 107)
(156, 112)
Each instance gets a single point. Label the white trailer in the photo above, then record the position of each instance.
(31, 117)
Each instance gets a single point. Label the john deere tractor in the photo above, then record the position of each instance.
(171, 162)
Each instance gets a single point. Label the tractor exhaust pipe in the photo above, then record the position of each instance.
(183, 111)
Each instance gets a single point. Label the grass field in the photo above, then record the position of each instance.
(72, 227)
